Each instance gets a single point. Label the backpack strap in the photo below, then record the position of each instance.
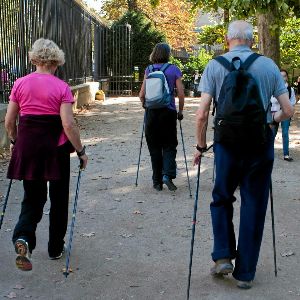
(164, 67)
(289, 88)
(150, 68)
(248, 62)
(224, 62)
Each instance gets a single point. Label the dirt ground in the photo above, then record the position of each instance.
(133, 242)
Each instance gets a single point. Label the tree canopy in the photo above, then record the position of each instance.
(174, 18)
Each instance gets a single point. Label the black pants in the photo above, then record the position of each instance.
(161, 137)
(35, 197)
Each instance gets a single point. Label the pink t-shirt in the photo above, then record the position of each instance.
(41, 94)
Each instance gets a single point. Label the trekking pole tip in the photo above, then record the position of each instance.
(66, 274)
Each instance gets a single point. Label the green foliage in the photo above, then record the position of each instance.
(211, 35)
(290, 43)
(248, 8)
(144, 38)
(193, 64)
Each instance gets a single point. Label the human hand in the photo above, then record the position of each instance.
(180, 115)
(197, 158)
(83, 161)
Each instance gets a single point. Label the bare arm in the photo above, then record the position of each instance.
(71, 130)
(287, 110)
(180, 93)
(142, 92)
(11, 119)
(201, 123)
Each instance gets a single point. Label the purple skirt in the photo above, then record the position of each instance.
(36, 154)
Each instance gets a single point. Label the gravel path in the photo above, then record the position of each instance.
(133, 242)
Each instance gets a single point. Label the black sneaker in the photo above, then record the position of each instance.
(169, 183)
(59, 255)
(158, 186)
(23, 255)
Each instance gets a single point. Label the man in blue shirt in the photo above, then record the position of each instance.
(250, 168)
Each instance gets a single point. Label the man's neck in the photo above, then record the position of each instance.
(235, 43)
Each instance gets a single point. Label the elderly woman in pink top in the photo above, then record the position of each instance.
(41, 146)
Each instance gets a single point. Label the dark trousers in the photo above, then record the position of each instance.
(35, 197)
(161, 137)
(252, 170)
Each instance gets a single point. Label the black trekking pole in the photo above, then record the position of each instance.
(193, 230)
(66, 272)
(273, 228)
(5, 203)
(186, 167)
(141, 145)
(194, 225)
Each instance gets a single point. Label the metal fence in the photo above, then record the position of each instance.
(92, 51)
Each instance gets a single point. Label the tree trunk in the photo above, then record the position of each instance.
(268, 37)
(132, 5)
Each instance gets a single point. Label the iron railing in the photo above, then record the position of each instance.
(74, 29)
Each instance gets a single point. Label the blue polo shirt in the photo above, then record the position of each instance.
(264, 70)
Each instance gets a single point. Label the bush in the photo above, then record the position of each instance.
(192, 65)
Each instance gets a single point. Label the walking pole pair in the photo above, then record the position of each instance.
(186, 167)
(67, 271)
(140, 151)
(141, 145)
(5, 203)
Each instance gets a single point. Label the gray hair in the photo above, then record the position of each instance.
(46, 52)
(240, 30)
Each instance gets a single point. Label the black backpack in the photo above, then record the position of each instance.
(240, 115)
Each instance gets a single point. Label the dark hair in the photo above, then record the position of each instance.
(160, 54)
(286, 72)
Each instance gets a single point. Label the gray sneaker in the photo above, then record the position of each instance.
(222, 267)
(245, 285)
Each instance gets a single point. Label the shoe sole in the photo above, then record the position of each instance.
(22, 261)
(244, 285)
(222, 270)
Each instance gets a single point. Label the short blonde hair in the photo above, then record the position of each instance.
(46, 52)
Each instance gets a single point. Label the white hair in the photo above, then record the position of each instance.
(240, 30)
(46, 52)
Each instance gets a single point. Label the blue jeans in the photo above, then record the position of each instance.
(285, 125)
(251, 169)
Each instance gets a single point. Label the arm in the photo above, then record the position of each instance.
(287, 110)
(10, 120)
(142, 92)
(180, 93)
(201, 124)
(71, 130)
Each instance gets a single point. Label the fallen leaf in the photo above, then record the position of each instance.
(137, 212)
(64, 270)
(287, 254)
(88, 234)
(19, 287)
(7, 230)
(124, 235)
(11, 295)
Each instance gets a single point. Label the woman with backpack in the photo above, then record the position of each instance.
(158, 98)
(285, 125)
